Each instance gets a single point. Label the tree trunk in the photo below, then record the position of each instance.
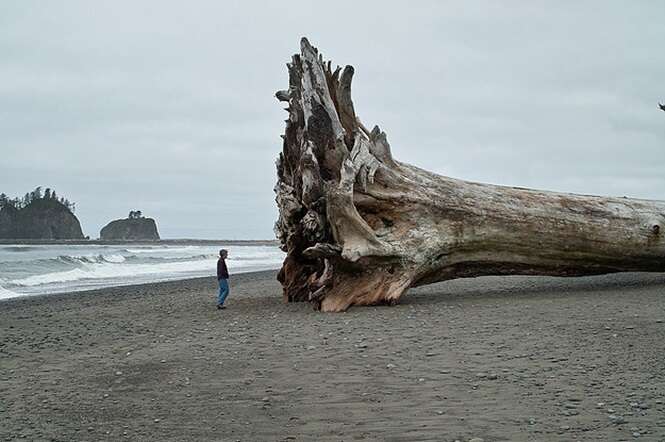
(360, 228)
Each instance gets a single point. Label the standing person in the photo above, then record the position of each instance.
(222, 278)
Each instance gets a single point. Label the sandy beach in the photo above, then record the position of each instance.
(500, 359)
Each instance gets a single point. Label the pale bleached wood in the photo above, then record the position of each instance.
(360, 228)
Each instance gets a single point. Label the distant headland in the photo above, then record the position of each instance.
(38, 216)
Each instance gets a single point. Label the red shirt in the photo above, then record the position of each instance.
(222, 271)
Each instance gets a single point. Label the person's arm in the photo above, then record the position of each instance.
(220, 269)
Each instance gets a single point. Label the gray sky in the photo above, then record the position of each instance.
(168, 107)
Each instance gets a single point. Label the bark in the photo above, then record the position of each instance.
(360, 228)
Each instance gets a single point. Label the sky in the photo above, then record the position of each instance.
(168, 107)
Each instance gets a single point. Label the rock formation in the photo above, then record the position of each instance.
(133, 228)
(40, 219)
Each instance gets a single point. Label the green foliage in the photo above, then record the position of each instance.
(35, 195)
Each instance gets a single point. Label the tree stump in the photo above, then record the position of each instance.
(360, 228)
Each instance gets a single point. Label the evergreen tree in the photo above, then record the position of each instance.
(47, 194)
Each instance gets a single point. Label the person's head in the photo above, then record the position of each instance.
(223, 253)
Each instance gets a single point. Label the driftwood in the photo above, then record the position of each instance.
(360, 228)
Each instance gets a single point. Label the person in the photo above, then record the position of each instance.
(222, 278)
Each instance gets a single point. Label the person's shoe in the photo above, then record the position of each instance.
(220, 307)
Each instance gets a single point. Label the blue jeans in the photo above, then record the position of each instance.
(223, 291)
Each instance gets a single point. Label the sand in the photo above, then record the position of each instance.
(491, 358)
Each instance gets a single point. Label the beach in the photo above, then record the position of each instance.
(495, 358)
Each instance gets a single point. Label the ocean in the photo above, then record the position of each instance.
(46, 269)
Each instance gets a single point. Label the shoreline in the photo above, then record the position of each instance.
(158, 285)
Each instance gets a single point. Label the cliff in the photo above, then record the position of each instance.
(40, 219)
(130, 229)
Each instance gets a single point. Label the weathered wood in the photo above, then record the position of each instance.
(360, 228)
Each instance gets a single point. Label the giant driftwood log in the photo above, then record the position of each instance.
(360, 228)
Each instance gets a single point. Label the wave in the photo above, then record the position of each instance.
(5, 293)
(57, 269)
(163, 249)
(109, 270)
(19, 248)
(91, 259)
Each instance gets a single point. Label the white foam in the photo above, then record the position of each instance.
(111, 270)
(113, 258)
(163, 249)
(4, 293)
(76, 271)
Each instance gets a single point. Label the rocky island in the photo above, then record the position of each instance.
(133, 228)
(38, 216)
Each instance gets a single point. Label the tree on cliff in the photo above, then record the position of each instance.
(36, 195)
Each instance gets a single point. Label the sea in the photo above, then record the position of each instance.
(46, 269)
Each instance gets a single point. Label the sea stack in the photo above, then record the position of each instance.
(38, 216)
(133, 228)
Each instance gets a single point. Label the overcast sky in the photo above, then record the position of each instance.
(168, 107)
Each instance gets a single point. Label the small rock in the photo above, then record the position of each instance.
(636, 434)
(118, 373)
(532, 421)
(564, 427)
(492, 376)
(617, 419)
(476, 439)
(481, 375)
(156, 420)
(421, 380)
(265, 399)
(390, 365)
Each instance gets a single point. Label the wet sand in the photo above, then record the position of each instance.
(500, 359)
